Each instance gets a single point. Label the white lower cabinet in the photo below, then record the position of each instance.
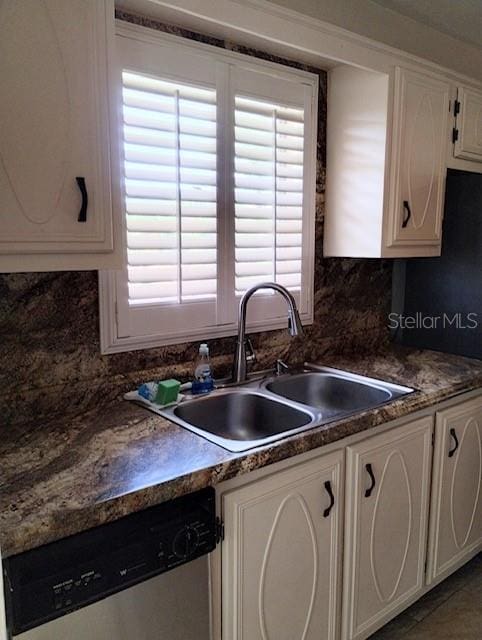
(281, 555)
(387, 492)
(456, 517)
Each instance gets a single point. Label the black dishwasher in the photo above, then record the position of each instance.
(58, 578)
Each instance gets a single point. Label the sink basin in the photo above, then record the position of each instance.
(335, 393)
(240, 417)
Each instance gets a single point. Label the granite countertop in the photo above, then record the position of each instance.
(67, 475)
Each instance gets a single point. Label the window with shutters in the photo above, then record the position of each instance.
(217, 157)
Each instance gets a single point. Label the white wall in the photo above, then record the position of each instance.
(373, 21)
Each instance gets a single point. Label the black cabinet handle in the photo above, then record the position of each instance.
(454, 436)
(369, 469)
(329, 491)
(85, 199)
(407, 213)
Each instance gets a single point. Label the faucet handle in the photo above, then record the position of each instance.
(251, 356)
(281, 367)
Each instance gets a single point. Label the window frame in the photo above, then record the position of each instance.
(111, 339)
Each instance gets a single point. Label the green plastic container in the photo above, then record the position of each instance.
(167, 391)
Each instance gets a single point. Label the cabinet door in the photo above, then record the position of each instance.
(385, 528)
(456, 517)
(469, 125)
(281, 554)
(420, 129)
(54, 126)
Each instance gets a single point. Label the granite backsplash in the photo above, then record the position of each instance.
(50, 361)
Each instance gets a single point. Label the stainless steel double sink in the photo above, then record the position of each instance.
(262, 411)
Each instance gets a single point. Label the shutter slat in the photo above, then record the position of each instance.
(149, 240)
(197, 127)
(289, 184)
(253, 136)
(250, 181)
(144, 171)
(202, 143)
(149, 137)
(290, 127)
(148, 257)
(289, 266)
(253, 196)
(288, 240)
(289, 279)
(146, 100)
(254, 240)
(254, 211)
(292, 198)
(251, 167)
(289, 170)
(198, 159)
(198, 271)
(258, 225)
(254, 120)
(198, 240)
(152, 155)
(145, 292)
(285, 141)
(290, 156)
(153, 224)
(150, 119)
(253, 254)
(288, 253)
(148, 206)
(198, 225)
(156, 273)
(251, 268)
(164, 87)
(253, 151)
(198, 256)
(289, 213)
(289, 226)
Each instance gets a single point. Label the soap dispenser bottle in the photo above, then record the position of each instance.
(203, 381)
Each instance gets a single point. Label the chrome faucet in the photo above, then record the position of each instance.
(294, 327)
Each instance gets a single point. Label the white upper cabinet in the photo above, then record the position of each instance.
(55, 191)
(387, 139)
(468, 125)
(420, 119)
(387, 491)
(456, 516)
(281, 554)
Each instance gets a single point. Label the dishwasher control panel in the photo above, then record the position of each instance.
(50, 581)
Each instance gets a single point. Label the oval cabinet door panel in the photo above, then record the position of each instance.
(281, 556)
(421, 110)
(456, 518)
(54, 126)
(397, 523)
(387, 486)
(281, 580)
(465, 490)
(31, 64)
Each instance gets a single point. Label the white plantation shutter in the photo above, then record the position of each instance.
(217, 167)
(268, 193)
(170, 190)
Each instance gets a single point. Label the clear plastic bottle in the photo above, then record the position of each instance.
(203, 381)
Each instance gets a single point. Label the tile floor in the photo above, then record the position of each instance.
(450, 611)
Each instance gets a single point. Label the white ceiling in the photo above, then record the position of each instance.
(461, 19)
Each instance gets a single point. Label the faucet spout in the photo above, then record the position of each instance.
(295, 327)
